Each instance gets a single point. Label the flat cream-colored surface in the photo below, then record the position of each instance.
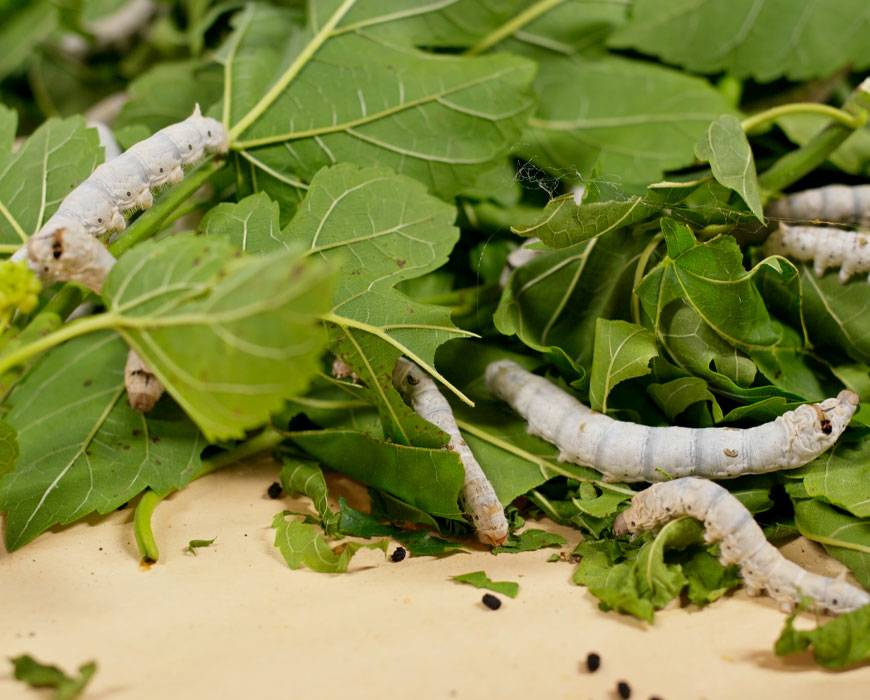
(235, 622)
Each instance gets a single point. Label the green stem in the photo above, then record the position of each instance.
(142, 529)
(640, 271)
(61, 335)
(142, 525)
(513, 26)
(795, 165)
(292, 71)
(768, 116)
(153, 219)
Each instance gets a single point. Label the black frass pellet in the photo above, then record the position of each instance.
(593, 662)
(274, 490)
(398, 554)
(490, 601)
(623, 689)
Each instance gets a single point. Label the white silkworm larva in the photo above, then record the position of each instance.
(144, 389)
(726, 520)
(75, 256)
(624, 451)
(478, 497)
(125, 183)
(834, 204)
(825, 247)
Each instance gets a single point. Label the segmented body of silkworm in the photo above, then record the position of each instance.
(826, 247)
(478, 496)
(71, 255)
(833, 204)
(727, 521)
(624, 451)
(125, 184)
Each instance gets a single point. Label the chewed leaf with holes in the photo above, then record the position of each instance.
(82, 448)
(230, 337)
(440, 118)
(34, 180)
(764, 40)
(379, 228)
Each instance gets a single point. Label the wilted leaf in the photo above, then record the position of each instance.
(838, 643)
(303, 545)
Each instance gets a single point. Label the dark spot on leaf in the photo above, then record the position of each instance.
(87, 382)
(136, 432)
(155, 439)
(401, 263)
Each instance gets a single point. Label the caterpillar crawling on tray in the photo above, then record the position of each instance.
(727, 521)
(624, 451)
(825, 247)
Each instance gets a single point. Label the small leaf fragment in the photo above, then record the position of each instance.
(479, 579)
(39, 675)
(193, 545)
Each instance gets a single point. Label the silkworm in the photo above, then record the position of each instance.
(825, 247)
(125, 184)
(742, 542)
(71, 255)
(144, 389)
(834, 204)
(624, 451)
(478, 496)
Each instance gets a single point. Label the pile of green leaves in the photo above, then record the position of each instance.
(386, 157)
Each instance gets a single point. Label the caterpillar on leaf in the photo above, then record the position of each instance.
(478, 496)
(742, 542)
(825, 247)
(624, 451)
(125, 183)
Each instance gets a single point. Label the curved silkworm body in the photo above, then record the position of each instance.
(70, 254)
(624, 451)
(92, 207)
(824, 246)
(144, 389)
(126, 183)
(727, 521)
(478, 496)
(834, 204)
(160, 158)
